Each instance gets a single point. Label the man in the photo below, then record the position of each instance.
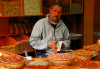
(49, 30)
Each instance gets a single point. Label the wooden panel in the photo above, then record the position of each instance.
(1, 41)
(77, 1)
(21, 19)
(64, 1)
(16, 37)
(0, 6)
(41, 7)
(70, 6)
(88, 21)
(24, 37)
(22, 7)
(9, 41)
(82, 5)
(13, 0)
(48, 3)
(20, 37)
(96, 18)
(73, 23)
(13, 19)
(4, 26)
(80, 28)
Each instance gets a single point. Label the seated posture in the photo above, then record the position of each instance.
(49, 30)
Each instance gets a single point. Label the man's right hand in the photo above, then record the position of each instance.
(53, 47)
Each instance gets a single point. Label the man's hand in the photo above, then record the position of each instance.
(53, 47)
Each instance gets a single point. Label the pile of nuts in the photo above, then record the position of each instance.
(60, 56)
(83, 54)
(23, 28)
(24, 45)
(66, 8)
(11, 28)
(10, 48)
(39, 62)
(10, 8)
(45, 10)
(85, 64)
(13, 59)
(76, 8)
(95, 48)
(5, 55)
(32, 7)
(3, 68)
(17, 31)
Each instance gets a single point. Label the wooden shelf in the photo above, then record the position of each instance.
(71, 13)
(47, 4)
(4, 25)
(12, 40)
(22, 15)
(17, 34)
(12, 35)
(37, 15)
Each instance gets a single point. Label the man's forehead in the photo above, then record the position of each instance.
(57, 7)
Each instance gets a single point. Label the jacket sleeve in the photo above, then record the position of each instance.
(66, 39)
(35, 38)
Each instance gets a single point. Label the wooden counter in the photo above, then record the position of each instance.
(50, 67)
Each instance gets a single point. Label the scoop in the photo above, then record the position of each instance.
(58, 44)
(27, 57)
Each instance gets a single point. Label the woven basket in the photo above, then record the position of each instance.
(13, 65)
(83, 56)
(59, 62)
(93, 48)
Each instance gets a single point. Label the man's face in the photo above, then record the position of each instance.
(55, 13)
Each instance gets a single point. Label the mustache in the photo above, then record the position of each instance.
(56, 16)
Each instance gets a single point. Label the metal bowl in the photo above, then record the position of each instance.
(64, 51)
(97, 33)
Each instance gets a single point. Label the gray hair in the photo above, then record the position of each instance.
(56, 3)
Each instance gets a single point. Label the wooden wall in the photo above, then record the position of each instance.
(88, 21)
(4, 26)
(96, 18)
(80, 28)
(91, 20)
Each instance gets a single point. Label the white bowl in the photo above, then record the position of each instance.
(75, 36)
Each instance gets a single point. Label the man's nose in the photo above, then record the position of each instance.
(56, 13)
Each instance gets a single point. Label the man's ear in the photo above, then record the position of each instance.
(49, 10)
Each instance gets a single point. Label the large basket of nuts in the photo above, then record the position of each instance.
(95, 48)
(83, 54)
(85, 64)
(61, 59)
(38, 64)
(14, 61)
(8, 44)
(10, 48)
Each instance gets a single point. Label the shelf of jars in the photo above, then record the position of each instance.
(20, 8)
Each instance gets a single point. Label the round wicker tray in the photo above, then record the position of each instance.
(58, 62)
(83, 56)
(14, 65)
